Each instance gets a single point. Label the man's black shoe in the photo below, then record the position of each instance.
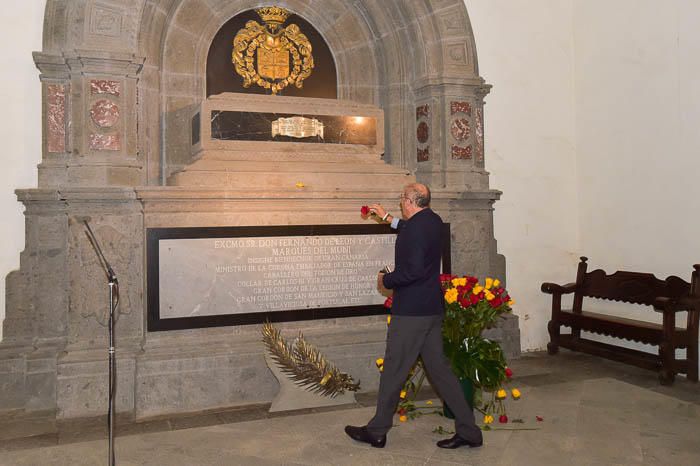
(456, 442)
(361, 435)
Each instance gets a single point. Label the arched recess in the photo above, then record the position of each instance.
(398, 54)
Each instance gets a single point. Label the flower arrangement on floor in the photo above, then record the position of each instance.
(479, 363)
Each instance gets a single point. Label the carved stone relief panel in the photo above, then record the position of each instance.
(56, 117)
(479, 135)
(104, 112)
(460, 130)
(423, 133)
(105, 86)
(105, 142)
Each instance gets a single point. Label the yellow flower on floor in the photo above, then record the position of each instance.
(488, 283)
(488, 419)
(300, 184)
(516, 393)
(501, 394)
(403, 394)
(429, 402)
(496, 282)
(403, 418)
(451, 295)
(388, 319)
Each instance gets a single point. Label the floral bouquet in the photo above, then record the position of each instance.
(470, 308)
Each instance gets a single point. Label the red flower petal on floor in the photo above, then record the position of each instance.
(503, 419)
(539, 418)
(364, 210)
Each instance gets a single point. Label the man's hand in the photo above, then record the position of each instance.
(380, 285)
(378, 210)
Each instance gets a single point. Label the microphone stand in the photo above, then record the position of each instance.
(113, 284)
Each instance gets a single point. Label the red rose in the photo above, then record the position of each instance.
(509, 372)
(389, 301)
(474, 299)
(503, 419)
(364, 210)
(445, 277)
(402, 411)
(495, 302)
(464, 302)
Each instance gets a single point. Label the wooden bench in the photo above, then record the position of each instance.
(665, 296)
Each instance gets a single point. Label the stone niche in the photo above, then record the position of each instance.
(129, 142)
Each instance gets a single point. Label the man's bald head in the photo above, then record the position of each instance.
(419, 194)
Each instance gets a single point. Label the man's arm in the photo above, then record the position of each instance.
(410, 266)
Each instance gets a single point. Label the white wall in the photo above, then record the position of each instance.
(592, 134)
(525, 49)
(637, 133)
(20, 125)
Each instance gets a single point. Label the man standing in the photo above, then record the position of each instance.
(416, 323)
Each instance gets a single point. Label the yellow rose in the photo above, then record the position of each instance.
(403, 418)
(496, 282)
(403, 394)
(488, 419)
(379, 362)
(388, 319)
(477, 289)
(488, 283)
(501, 394)
(489, 296)
(511, 302)
(516, 393)
(451, 295)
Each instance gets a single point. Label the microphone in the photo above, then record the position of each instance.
(82, 218)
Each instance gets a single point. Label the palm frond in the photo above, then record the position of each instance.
(305, 364)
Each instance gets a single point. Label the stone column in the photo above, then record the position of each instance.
(90, 119)
(450, 156)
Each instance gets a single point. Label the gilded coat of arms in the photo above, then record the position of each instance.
(271, 56)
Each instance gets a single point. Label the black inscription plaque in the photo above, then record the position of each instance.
(203, 277)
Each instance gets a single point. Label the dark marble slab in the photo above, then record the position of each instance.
(253, 126)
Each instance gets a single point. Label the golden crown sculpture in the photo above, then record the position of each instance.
(273, 14)
(261, 54)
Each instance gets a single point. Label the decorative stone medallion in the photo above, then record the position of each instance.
(104, 113)
(460, 129)
(56, 117)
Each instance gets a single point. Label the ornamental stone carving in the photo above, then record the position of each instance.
(104, 113)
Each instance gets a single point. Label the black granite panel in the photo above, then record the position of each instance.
(251, 126)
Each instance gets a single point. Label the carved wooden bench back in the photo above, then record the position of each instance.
(630, 287)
